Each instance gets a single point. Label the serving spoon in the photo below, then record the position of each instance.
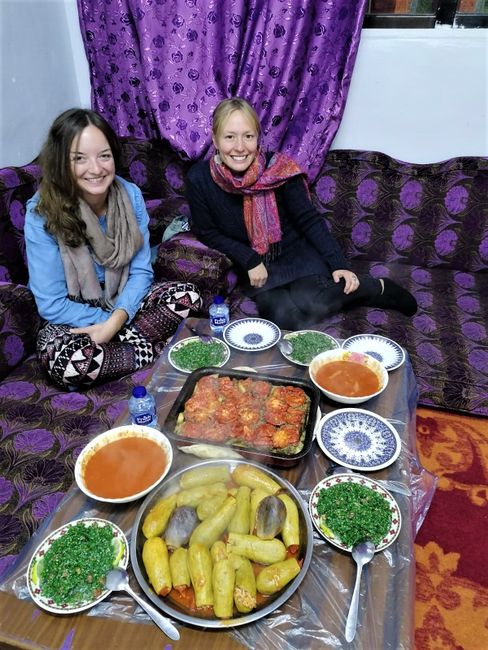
(118, 580)
(285, 346)
(362, 554)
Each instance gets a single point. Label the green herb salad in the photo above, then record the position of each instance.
(69, 568)
(307, 344)
(353, 513)
(194, 353)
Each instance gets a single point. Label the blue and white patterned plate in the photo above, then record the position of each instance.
(251, 334)
(358, 439)
(384, 350)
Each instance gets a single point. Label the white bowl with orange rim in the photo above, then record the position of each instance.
(348, 377)
(123, 464)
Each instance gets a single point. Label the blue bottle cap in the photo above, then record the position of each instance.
(139, 391)
(218, 300)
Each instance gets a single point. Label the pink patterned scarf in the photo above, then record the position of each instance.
(257, 185)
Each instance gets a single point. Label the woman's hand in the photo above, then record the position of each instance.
(104, 332)
(258, 275)
(350, 279)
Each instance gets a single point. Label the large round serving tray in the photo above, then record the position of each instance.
(171, 485)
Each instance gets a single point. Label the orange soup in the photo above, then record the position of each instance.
(347, 378)
(124, 467)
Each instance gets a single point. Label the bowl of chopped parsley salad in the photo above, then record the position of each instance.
(66, 573)
(347, 509)
(307, 344)
(193, 353)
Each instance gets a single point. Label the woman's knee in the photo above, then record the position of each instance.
(69, 359)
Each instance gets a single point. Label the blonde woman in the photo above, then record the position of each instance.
(255, 208)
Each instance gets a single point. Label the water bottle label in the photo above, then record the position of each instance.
(143, 418)
(219, 320)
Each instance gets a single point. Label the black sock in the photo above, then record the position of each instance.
(396, 297)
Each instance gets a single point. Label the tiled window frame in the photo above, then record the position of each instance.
(446, 14)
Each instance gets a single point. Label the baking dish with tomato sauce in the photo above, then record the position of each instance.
(264, 417)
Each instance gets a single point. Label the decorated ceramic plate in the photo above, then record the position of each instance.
(93, 534)
(346, 481)
(252, 334)
(193, 353)
(358, 439)
(386, 351)
(306, 344)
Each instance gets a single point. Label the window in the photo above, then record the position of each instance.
(426, 13)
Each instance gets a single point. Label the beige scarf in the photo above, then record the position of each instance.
(114, 250)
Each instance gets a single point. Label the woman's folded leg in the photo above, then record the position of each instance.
(74, 360)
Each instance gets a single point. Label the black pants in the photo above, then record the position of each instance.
(309, 300)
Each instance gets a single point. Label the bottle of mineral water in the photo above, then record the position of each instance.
(219, 315)
(142, 408)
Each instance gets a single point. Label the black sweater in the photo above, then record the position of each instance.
(306, 246)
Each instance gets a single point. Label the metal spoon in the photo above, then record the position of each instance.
(362, 554)
(118, 579)
(285, 346)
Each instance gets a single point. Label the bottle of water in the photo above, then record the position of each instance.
(219, 315)
(142, 408)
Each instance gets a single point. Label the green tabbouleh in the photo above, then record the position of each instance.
(307, 345)
(197, 354)
(354, 513)
(75, 566)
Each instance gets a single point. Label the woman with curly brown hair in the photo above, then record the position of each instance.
(89, 259)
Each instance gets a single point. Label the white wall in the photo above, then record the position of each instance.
(419, 95)
(43, 72)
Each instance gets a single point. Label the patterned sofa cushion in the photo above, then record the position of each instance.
(185, 258)
(156, 168)
(17, 185)
(430, 215)
(19, 324)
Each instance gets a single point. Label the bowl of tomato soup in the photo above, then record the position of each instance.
(348, 377)
(123, 464)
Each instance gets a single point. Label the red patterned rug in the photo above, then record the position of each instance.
(451, 548)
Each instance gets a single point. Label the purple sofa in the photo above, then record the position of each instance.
(425, 226)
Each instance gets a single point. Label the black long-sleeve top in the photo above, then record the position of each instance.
(306, 247)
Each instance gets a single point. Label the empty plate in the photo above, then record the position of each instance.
(358, 439)
(252, 334)
(384, 350)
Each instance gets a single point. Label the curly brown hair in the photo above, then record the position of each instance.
(58, 190)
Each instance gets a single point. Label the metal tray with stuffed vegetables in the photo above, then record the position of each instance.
(266, 418)
(222, 543)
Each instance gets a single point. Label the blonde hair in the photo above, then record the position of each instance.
(228, 106)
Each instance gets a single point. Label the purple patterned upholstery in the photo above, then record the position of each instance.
(19, 324)
(42, 431)
(382, 209)
(17, 185)
(183, 257)
(425, 226)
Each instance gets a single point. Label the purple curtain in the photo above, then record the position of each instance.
(158, 68)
